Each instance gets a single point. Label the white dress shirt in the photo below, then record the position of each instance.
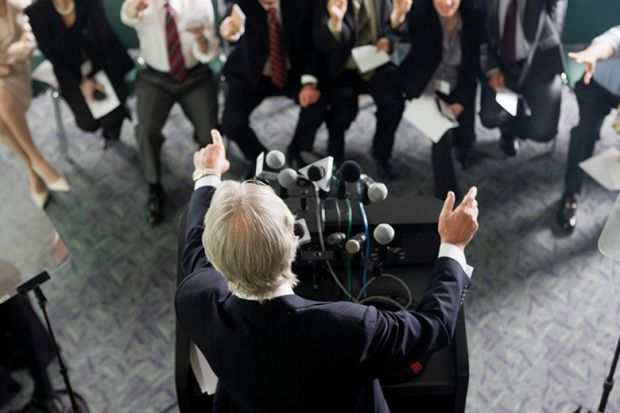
(150, 26)
(522, 47)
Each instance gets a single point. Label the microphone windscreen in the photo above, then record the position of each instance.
(383, 234)
(350, 171)
(287, 178)
(275, 159)
(316, 173)
(377, 192)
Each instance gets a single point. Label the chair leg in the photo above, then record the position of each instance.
(62, 135)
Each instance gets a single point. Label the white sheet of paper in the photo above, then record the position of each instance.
(508, 100)
(609, 241)
(368, 57)
(604, 168)
(100, 108)
(45, 73)
(206, 378)
(425, 116)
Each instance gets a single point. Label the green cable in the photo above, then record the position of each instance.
(349, 225)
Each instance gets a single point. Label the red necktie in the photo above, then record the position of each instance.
(507, 51)
(178, 71)
(277, 62)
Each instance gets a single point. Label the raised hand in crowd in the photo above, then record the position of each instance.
(497, 81)
(213, 156)
(136, 7)
(458, 226)
(336, 10)
(399, 12)
(230, 28)
(588, 57)
(309, 95)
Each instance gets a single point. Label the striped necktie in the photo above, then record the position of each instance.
(178, 71)
(277, 61)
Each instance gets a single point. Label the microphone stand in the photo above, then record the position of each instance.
(608, 384)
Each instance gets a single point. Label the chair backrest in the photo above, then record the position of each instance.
(127, 34)
(586, 19)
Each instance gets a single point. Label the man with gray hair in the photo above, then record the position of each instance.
(270, 348)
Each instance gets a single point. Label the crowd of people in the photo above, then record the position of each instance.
(303, 50)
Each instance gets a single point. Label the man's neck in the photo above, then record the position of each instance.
(285, 288)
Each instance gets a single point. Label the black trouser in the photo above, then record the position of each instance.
(24, 342)
(157, 92)
(543, 95)
(342, 101)
(594, 103)
(242, 99)
(112, 122)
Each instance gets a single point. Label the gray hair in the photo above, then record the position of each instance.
(249, 238)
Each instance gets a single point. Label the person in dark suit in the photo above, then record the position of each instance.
(24, 342)
(273, 55)
(340, 26)
(523, 52)
(177, 43)
(76, 37)
(597, 93)
(445, 37)
(270, 347)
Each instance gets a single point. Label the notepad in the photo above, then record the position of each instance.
(508, 100)
(100, 108)
(430, 116)
(369, 57)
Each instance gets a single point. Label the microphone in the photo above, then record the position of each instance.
(287, 178)
(383, 234)
(354, 245)
(373, 191)
(336, 238)
(349, 171)
(316, 173)
(275, 159)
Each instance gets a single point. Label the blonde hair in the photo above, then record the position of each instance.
(249, 238)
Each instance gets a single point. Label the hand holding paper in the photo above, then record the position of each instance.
(369, 57)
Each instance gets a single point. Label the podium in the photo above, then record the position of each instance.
(442, 385)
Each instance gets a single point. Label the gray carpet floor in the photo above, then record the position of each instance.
(542, 316)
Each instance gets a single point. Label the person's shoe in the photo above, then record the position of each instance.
(508, 144)
(45, 405)
(109, 138)
(386, 171)
(58, 185)
(155, 207)
(40, 198)
(567, 213)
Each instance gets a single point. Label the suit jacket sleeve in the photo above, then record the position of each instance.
(465, 91)
(69, 76)
(323, 38)
(488, 61)
(397, 339)
(193, 257)
(557, 12)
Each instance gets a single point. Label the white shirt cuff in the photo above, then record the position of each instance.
(457, 254)
(210, 180)
(306, 79)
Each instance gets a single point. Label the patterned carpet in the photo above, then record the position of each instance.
(542, 316)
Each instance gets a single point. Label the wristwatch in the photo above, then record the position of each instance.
(202, 172)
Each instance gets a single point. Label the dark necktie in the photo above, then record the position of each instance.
(364, 31)
(277, 62)
(178, 71)
(509, 38)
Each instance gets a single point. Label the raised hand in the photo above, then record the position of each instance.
(213, 156)
(402, 6)
(458, 226)
(136, 7)
(229, 30)
(337, 9)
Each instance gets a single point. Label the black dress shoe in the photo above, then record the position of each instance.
(155, 208)
(386, 171)
(508, 144)
(109, 138)
(567, 213)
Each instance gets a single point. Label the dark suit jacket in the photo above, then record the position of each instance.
(338, 52)
(295, 355)
(91, 34)
(426, 36)
(542, 22)
(250, 53)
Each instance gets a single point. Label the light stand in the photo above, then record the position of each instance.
(78, 405)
